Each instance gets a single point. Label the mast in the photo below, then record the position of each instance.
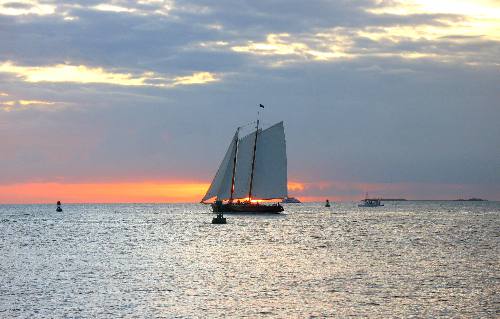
(253, 161)
(234, 165)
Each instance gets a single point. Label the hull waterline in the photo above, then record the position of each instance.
(247, 208)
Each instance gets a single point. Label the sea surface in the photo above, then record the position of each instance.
(406, 259)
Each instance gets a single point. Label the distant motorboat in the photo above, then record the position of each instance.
(370, 202)
(290, 200)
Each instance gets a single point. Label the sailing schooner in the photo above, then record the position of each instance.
(253, 169)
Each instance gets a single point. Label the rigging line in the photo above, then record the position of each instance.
(245, 125)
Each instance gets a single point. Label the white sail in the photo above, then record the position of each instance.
(244, 166)
(221, 184)
(270, 171)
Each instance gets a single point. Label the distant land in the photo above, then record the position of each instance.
(473, 199)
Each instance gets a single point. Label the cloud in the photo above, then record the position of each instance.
(196, 78)
(25, 7)
(84, 74)
(21, 104)
(112, 8)
(8, 104)
(440, 43)
(479, 8)
(280, 44)
(327, 32)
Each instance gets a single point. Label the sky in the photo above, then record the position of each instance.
(136, 101)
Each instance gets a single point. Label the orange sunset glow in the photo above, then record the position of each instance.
(138, 192)
(193, 191)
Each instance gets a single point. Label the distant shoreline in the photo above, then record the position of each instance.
(433, 200)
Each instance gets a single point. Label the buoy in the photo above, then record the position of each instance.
(327, 204)
(219, 219)
(58, 209)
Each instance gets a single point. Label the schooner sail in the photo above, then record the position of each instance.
(221, 184)
(254, 167)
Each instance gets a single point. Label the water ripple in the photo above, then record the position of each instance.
(416, 259)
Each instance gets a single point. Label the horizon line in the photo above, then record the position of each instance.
(302, 202)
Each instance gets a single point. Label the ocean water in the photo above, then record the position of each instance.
(407, 259)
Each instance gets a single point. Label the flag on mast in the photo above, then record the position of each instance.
(262, 106)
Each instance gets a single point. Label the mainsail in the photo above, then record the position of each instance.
(269, 170)
(270, 178)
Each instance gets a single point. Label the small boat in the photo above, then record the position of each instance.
(371, 202)
(58, 209)
(253, 170)
(291, 200)
(327, 203)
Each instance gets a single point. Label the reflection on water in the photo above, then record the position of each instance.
(424, 259)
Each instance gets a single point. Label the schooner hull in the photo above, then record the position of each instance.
(247, 208)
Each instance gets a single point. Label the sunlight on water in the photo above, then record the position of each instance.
(424, 259)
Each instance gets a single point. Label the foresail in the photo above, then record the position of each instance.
(221, 184)
(224, 191)
(270, 172)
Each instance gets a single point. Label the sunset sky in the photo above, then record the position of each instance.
(136, 101)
